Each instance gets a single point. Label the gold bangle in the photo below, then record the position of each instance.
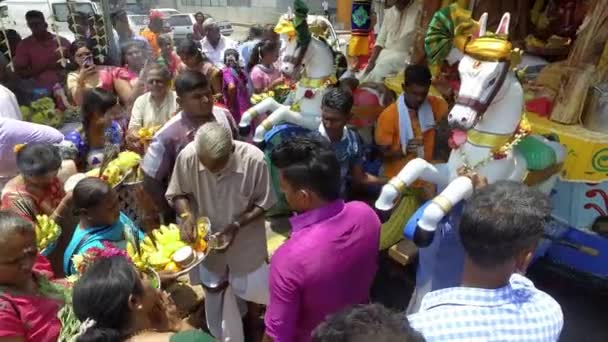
(267, 124)
(443, 203)
(398, 184)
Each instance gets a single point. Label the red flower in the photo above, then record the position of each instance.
(499, 155)
(309, 94)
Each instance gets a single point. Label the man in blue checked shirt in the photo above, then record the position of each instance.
(499, 229)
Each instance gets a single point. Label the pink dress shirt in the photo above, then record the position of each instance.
(327, 265)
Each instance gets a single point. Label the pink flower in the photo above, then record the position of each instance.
(309, 94)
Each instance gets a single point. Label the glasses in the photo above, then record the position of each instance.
(155, 82)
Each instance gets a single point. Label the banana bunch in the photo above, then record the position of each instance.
(43, 111)
(47, 231)
(257, 98)
(146, 133)
(158, 256)
(119, 167)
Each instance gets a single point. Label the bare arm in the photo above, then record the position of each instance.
(363, 178)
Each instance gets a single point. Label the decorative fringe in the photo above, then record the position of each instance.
(360, 28)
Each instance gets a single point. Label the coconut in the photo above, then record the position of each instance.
(184, 256)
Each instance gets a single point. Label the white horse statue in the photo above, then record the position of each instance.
(317, 59)
(489, 108)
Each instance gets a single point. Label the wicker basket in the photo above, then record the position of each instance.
(136, 204)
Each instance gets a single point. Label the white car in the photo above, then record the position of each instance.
(182, 25)
(12, 13)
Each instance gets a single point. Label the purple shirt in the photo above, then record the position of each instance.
(170, 140)
(14, 132)
(327, 265)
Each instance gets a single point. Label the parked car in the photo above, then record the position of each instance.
(182, 25)
(12, 13)
(138, 21)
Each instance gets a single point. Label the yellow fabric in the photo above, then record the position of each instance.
(587, 151)
(358, 46)
(285, 26)
(489, 48)
(392, 230)
(151, 37)
(317, 82)
(493, 141)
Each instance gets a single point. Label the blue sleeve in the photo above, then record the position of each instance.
(68, 266)
(125, 220)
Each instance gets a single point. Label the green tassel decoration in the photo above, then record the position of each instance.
(300, 23)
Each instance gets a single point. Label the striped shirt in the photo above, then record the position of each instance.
(517, 312)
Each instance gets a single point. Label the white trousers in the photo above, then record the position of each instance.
(225, 309)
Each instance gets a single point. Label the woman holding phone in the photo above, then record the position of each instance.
(120, 81)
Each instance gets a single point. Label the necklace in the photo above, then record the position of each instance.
(523, 130)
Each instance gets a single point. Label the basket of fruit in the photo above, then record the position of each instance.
(165, 252)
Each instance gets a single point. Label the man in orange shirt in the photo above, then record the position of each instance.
(406, 129)
(154, 29)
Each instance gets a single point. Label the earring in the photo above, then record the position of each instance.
(139, 307)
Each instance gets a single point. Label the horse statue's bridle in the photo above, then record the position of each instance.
(476, 104)
(297, 60)
(489, 48)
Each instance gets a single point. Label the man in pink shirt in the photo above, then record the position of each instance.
(330, 260)
(37, 56)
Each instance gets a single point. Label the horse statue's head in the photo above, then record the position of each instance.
(300, 47)
(487, 60)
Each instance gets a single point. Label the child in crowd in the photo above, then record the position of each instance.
(98, 110)
(500, 227)
(236, 94)
(195, 60)
(100, 221)
(264, 74)
(168, 57)
(336, 112)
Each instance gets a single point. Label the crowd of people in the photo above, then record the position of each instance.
(316, 286)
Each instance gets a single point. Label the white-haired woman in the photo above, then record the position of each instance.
(229, 182)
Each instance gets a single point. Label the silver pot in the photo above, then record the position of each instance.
(595, 115)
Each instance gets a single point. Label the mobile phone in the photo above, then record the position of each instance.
(88, 61)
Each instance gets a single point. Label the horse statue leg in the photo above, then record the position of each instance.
(459, 189)
(285, 114)
(416, 169)
(267, 105)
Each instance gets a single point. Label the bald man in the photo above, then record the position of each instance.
(215, 44)
(228, 182)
